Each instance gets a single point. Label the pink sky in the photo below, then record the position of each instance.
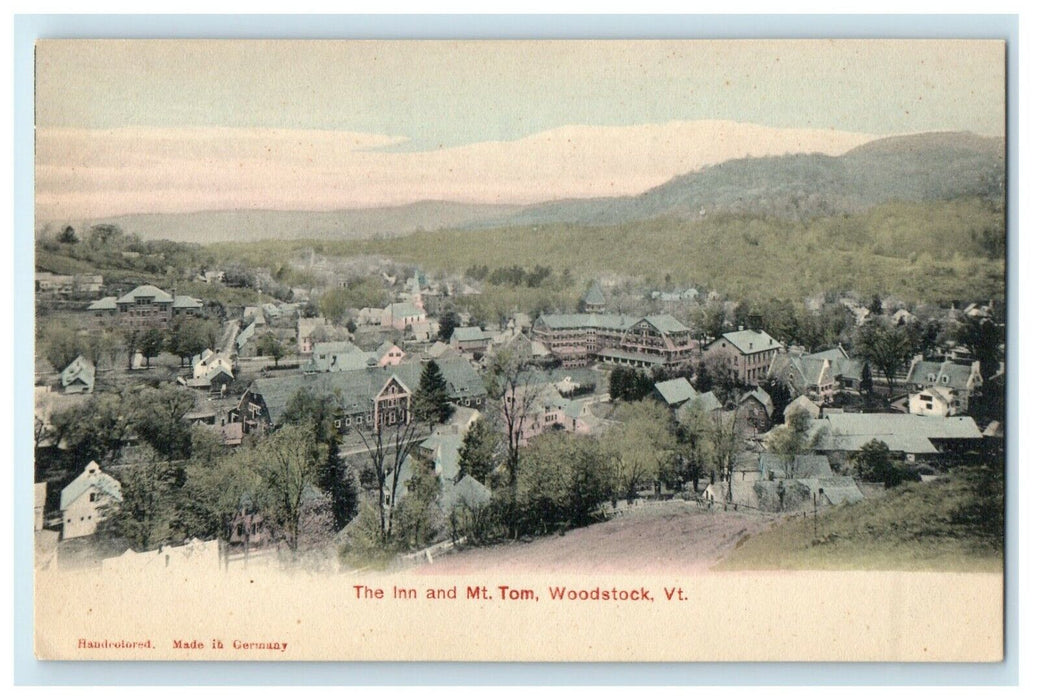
(83, 173)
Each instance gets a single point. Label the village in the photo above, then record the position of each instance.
(227, 417)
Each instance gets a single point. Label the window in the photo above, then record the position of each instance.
(93, 497)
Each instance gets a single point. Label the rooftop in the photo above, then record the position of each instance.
(748, 341)
(157, 295)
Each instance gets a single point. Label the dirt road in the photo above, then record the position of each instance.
(673, 536)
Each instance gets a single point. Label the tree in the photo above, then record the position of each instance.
(874, 463)
(146, 514)
(319, 410)
(641, 447)
(61, 345)
(417, 515)
(875, 305)
(270, 346)
(448, 323)
(189, 336)
(717, 371)
(780, 394)
(713, 319)
(101, 347)
(215, 483)
(511, 382)
(983, 338)
(101, 235)
(98, 429)
(480, 450)
(627, 384)
(158, 418)
(288, 461)
(725, 441)
(151, 344)
(68, 236)
(691, 433)
(430, 402)
(564, 482)
(793, 439)
(317, 522)
(388, 447)
(886, 347)
(131, 341)
(866, 380)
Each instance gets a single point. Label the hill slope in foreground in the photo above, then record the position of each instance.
(670, 536)
(919, 527)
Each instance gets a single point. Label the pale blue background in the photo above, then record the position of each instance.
(28, 28)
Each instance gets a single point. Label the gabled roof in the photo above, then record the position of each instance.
(831, 354)
(902, 432)
(760, 395)
(706, 402)
(146, 290)
(676, 391)
(246, 335)
(803, 403)
(92, 476)
(594, 296)
(468, 493)
(438, 349)
(445, 448)
(103, 304)
(835, 489)
(385, 347)
(404, 309)
(306, 326)
(185, 302)
(748, 341)
(666, 323)
(949, 374)
(79, 370)
(467, 334)
(803, 466)
(355, 389)
(615, 322)
(943, 393)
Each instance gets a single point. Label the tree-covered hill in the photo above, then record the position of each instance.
(918, 168)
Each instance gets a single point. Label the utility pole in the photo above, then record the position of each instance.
(814, 516)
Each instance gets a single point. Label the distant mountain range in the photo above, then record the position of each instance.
(265, 224)
(916, 168)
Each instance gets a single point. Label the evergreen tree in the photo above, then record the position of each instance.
(430, 403)
(448, 323)
(479, 451)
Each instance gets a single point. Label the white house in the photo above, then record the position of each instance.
(402, 315)
(78, 377)
(202, 365)
(83, 499)
(935, 401)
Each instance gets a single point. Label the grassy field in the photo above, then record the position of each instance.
(926, 526)
(931, 252)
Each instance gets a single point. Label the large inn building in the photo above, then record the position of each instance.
(649, 341)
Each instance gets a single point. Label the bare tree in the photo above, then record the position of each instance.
(388, 447)
(512, 382)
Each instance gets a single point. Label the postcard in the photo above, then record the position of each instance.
(520, 350)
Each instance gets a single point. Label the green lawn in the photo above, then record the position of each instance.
(944, 525)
